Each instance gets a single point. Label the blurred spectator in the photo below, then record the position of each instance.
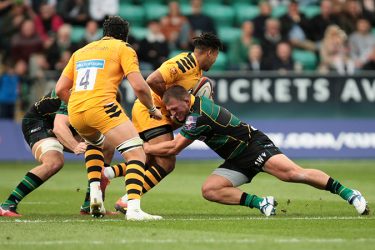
(368, 8)
(38, 74)
(334, 53)
(154, 47)
(351, 13)
(271, 37)
(63, 60)
(61, 43)
(294, 26)
(255, 62)
(175, 27)
(238, 49)
(319, 23)
(92, 33)
(198, 21)
(283, 61)
(361, 43)
(9, 87)
(47, 22)
(99, 9)
(370, 64)
(75, 12)
(260, 21)
(5, 6)
(25, 42)
(10, 25)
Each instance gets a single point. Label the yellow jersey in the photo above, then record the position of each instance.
(182, 70)
(97, 70)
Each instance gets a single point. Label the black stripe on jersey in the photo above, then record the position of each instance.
(223, 117)
(117, 114)
(189, 62)
(111, 109)
(190, 56)
(184, 63)
(181, 67)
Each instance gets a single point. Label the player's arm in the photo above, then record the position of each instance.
(64, 135)
(142, 91)
(173, 147)
(63, 86)
(156, 82)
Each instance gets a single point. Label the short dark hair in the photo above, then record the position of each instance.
(207, 40)
(177, 92)
(116, 27)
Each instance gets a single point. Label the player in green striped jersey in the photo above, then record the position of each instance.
(246, 151)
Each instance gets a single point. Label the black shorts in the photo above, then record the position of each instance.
(155, 132)
(252, 159)
(35, 129)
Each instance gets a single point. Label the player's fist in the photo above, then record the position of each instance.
(80, 148)
(155, 113)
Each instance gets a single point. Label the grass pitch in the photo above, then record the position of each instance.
(306, 218)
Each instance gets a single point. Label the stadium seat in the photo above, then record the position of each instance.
(245, 12)
(221, 62)
(310, 11)
(185, 8)
(133, 13)
(279, 11)
(155, 11)
(228, 34)
(138, 32)
(174, 53)
(308, 59)
(77, 33)
(221, 14)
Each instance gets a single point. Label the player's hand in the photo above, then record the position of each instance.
(145, 147)
(80, 148)
(155, 113)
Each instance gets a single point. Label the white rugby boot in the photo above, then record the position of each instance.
(268, 206)
(359, 203)
(96, 200)
(135, 213)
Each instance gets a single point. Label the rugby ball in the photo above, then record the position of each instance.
(204, 87)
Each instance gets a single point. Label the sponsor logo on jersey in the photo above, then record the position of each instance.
(191, 122)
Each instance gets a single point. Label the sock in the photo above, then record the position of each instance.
(134, 179)
(94, 163)
(29, 183)
(336, 187)
(86, 201)
(251, 201)
(115, 171)
(153, 175)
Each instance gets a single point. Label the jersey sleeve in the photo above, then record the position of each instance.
(193, 128)
(69, 68)
(128, 59)
(169, 72)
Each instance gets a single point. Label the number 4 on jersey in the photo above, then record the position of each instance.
(85, 79)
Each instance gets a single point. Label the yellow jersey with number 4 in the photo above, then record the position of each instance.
(97, 70)
(183, 70)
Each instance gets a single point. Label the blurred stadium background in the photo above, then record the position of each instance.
(301, 71)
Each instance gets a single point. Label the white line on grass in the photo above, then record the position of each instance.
(190, 241)
(192, 219)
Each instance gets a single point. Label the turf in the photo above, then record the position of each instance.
(307, 218)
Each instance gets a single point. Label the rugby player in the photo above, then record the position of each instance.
(246, 150)
(184, 70)
(47, 131)
(89, 84)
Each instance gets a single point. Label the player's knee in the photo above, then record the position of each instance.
(210, 192)
(53, 165)
(167, 163)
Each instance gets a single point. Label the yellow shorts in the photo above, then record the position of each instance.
(142, 120)
(97, 119)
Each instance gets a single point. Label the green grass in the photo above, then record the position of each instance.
(307, 218)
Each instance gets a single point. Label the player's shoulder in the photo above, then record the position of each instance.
(184, 61)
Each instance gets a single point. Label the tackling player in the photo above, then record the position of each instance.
(89, 84)
(246, 150)
(184, 70)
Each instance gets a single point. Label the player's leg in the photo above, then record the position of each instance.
(49, 152)
(129, 144)
(285, 169)
(222, 187)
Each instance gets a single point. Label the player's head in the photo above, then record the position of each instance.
(206, 48)
(177, 102)
(116, 27)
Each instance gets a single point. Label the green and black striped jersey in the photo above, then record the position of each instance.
(222, 131)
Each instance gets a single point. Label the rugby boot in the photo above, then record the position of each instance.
(121, 204)
(268, 206)
(9, 211)
(359, 203)
(139, 215)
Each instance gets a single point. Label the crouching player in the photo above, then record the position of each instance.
(47, 130)
(241, 146)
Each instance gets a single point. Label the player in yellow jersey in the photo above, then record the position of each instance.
(89, 85)
(185, 70)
